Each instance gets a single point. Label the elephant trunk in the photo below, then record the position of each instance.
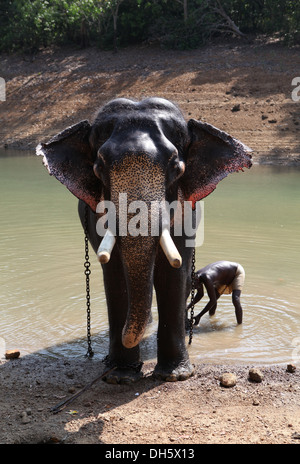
(138, 261)
(138, 251)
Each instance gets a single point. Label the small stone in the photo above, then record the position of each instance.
(24, 417)
(228, 379)
(255, 402)
(291, 368)
(255, 375)
(12, 354)
(236, 108)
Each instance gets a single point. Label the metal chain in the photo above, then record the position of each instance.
(87, 272)
(192, 297)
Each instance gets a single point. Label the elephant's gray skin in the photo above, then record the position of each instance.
(147, 150)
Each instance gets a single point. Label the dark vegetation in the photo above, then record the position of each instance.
(28, 25)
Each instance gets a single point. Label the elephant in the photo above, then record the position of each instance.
(145, 153)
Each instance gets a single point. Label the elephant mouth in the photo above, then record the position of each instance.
(166, 242)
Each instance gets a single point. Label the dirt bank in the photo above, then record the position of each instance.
(244, 89)
(196, 411)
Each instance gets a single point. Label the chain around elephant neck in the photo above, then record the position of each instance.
(87, 272)
(192, 297)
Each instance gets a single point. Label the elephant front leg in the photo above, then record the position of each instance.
(126, 362)
(172, 357)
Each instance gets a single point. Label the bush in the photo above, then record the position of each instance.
(31, 24)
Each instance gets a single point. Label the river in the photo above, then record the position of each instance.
(252, 218)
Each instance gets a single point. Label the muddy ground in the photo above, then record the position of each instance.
(196, 411)
(243, 88)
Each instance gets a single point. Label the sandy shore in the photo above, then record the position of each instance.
(196, 411)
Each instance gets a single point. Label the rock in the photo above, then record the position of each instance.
(12, 354)
(228, 379)
(291, 368)
(236, 108)
(255, 402)
(24, 417)
(255, 375)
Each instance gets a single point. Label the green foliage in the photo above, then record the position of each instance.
(31, 24)
(267, 17)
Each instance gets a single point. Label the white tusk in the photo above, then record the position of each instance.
(106, 246)
(170, 249)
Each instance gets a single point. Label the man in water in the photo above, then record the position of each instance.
(222, 277)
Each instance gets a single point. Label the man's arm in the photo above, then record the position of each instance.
(237, 305)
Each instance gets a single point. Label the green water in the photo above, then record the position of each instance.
(252, 218)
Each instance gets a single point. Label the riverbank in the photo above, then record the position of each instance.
(244, 89)
(196, 411)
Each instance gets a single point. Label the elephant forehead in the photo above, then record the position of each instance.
(134, 140)
(139, 177)
(123, 119)
(139, 137)
(151, 106)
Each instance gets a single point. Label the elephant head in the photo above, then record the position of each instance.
(146, 150)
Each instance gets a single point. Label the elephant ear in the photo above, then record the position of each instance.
(210, 156)
(68, 156)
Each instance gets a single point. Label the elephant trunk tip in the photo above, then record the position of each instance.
(131, 339)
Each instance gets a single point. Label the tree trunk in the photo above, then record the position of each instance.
(185, 11)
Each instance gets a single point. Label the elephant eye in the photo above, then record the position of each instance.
(176, 170)
(180, 168)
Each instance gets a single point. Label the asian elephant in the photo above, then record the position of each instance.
(143, 153)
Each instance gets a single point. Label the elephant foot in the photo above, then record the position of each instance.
(170, 374)
(124, 375)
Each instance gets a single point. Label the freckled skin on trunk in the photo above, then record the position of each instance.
(137, 252)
